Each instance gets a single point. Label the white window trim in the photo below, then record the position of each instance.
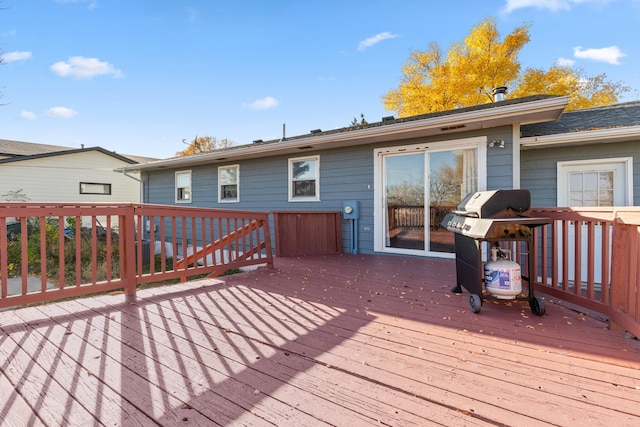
(175, 185)
(237, 199)
(315, 198)
(624, 184)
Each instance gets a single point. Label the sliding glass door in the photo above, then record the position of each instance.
(418, 189)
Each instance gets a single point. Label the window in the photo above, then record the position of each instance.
(228, 178)
(95, 188)
(592, 183)
(183, 187)
(590, 189)
(304, 182)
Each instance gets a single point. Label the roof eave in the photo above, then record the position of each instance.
(609, 135)
(520, 113)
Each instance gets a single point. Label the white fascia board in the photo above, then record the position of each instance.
(582, 137)
(515, 113)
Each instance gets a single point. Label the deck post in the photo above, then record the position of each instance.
(128, 232)
(625, 300)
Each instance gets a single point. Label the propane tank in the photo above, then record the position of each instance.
(502, 276)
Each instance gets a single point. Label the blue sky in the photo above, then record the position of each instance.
(139, 76)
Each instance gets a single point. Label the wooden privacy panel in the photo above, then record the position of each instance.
(307, 233)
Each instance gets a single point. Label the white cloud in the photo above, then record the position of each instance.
(84, 68)
(610, 55)
(552, 5)
(264, 103)
(27, 115)
(376, 39)
(92, 3)
(565, 62)
(61, 113)
(16, 56)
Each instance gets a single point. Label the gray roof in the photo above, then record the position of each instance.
(21, 150)
(384, 122)
(597, 118)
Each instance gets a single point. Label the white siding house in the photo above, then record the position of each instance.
(40, 173)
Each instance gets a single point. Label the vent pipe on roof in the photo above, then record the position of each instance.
(284, 131)
(499, 93)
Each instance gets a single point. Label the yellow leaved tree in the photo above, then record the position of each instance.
(204, 144)
(467, 74)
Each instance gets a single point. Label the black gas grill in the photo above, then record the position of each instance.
(491, 216)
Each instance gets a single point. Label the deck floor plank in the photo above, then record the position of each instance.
(31, 367)
(162, 390)
(15, 411)
(297, 376)
(482, 381)
(202, 358)
(337, 340)
(108, 386)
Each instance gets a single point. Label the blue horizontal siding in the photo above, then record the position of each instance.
(345, 174)
(539, 167)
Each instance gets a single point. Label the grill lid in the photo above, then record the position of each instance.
(495, 204)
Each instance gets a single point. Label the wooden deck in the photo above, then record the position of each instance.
(345, 340)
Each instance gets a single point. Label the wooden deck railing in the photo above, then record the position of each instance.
(589, 256)
(53, 251)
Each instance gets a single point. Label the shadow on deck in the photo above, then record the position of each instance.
(343, 340)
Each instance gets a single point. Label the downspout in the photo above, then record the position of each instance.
(125, 173)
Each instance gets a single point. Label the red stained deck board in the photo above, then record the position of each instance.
(15, 410)
(301, 382)
(96, 379)
(435, 345)
(376, 357)
(334, 340)
(222, 381)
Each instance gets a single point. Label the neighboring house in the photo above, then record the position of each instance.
(405, 174)
(47, 173)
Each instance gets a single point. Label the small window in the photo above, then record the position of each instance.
(95, 188)
(591, 189)
(183, 187)
(597, 182)
(304, 182)
(228, 179)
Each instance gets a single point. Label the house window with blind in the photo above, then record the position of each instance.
(183, 187)
(304, 181)
(228, 184)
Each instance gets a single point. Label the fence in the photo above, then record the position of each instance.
(589, 256)
(56, 251)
